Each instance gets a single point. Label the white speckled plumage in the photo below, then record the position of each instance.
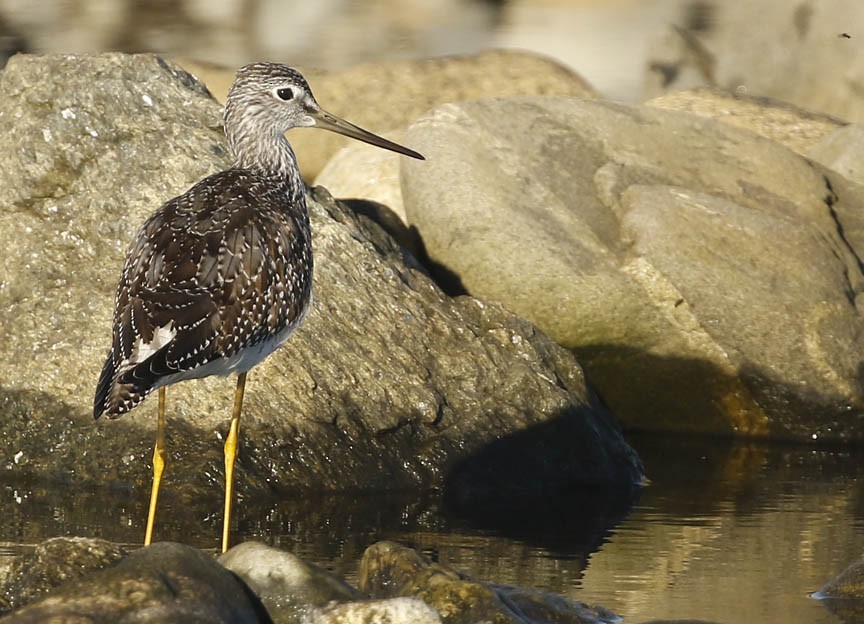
(220, 276)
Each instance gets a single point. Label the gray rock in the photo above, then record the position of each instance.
(842, 151)
(50, 564)
(389, 570)
(389, 384)
(707, 277)
(164, 582)
(290, 588)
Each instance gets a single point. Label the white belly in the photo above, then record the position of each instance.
(240, 362)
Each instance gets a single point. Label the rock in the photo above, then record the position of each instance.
(796, 128)
(388, 385)
(706, 277)
(51, 563)
(389, 570)
(844, 595)
(385, 96)
(164, 582)
(369, 174)
(849, 584)
(392, 611)
(842, 151)
(798, 54)
(288, 586)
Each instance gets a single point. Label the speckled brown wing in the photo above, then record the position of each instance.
(215, 271)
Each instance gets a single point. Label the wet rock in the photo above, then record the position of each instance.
(52, 563)
(389, 384)
(385, 96)
(796, 128)
(392, 611)
(389, 570)
(848, 584)
(164, 582)
(844, 594)
(289, 587)
(707, 278)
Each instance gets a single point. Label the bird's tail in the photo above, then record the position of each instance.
(117, 393)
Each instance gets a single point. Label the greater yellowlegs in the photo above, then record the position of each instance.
(219, 277)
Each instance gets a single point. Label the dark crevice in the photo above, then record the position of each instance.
(831, 200)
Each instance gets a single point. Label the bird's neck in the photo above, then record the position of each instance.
(266, 153)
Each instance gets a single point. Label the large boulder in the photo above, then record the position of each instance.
(389, 384)
(708, 278)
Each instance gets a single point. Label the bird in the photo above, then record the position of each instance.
(219, 277)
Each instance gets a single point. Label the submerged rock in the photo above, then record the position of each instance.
(391, 611)
(52, 563)
(289, 587)
(708, 279)
(389, 384)
(843, 595)
(389, 570)
(164, 582)
(168, 582)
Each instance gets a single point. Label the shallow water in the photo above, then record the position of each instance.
(725, 532)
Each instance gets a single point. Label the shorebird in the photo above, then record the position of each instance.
(220, 276)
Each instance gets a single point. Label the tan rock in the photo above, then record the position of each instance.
(707, 278)
(798, 129)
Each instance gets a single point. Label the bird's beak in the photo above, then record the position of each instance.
(325, 120)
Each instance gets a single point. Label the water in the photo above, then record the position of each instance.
(726, 532)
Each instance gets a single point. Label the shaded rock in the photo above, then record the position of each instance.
(707, 278)
(288, 586)
(164, 582)
(389, 569)
(385, 96)
(392, 611)
(389, 384)
(52, 563)
(842, 151)
(797, 54)
(796, 128)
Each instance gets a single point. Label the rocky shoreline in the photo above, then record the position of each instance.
(703, 266)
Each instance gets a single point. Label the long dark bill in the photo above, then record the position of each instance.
(325, 120)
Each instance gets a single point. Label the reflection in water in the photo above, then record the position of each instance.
(726, 532)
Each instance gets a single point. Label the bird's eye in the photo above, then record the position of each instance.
(285, 93)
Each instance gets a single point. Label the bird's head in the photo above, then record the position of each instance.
(268, 99)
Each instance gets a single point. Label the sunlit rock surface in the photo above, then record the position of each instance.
(708, 278)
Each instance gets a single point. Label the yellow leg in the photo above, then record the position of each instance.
(158, 466)
(230, 455)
